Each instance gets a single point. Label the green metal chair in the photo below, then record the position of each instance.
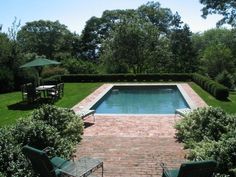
(32, 94)
(191, 169)
(58, 167)
(44, 166)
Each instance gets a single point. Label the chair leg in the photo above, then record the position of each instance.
(94, 119)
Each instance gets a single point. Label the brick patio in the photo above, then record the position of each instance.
(133, 146)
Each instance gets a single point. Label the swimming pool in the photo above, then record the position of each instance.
(141, 99)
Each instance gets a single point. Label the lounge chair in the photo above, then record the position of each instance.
(183, 112)
(85, 112)
(57, 167)
(191, 169)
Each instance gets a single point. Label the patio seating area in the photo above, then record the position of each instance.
(56, 166)
(31, 94)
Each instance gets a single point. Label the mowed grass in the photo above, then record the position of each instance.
(229, 105)
(12, 108)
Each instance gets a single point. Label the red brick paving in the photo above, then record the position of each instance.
(133, 146)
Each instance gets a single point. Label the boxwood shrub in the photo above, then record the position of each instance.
(217, 90)
(126, 77)
(209, 133)
(58, 128)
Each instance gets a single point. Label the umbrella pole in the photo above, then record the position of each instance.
(40, 69)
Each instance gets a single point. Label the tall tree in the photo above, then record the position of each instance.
(98, 29)
(45, 38)
(136, 47)
(227, 8)
(216, 59)
(183, 55)
(160, 17)
(215, 36)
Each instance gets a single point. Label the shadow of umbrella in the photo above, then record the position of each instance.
(38, 63)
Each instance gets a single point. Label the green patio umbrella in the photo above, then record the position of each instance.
(38, 63)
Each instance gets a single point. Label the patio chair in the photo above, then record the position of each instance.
(32, 94)
(54, 92)
(183, 112)
(56, 166)
(191, 169)
(61, 90)
(83, 113)
(24, 92)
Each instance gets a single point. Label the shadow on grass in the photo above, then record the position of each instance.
(224, 100)
(29, 106)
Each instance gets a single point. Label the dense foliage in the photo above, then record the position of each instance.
(216, 54)
(48, 126)
(126, 77)
(209, 133)
(217, 90)
(149, 39)
(226, 8)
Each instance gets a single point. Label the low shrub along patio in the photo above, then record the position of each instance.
(209, 133)
(48, 126)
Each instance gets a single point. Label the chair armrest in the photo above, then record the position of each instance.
(165, 169)
(47, 149)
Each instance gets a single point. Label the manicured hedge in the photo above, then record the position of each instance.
(217, 90)
(126, 77)
(52, 80)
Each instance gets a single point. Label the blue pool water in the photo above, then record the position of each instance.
(141, 100)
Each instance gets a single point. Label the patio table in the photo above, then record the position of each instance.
(85, 166)
(44, 88)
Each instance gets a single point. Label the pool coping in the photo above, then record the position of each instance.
(104, 91)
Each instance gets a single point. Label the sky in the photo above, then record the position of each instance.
(75, 13)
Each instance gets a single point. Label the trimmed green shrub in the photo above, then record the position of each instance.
(12, 161)
(223, 151)
(217, 90)
(209, 133)
(126, 77)
(209, 122)
(35, 133)
(64, 120)
(49, 126)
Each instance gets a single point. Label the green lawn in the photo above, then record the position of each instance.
(11, 107)
(229, 106)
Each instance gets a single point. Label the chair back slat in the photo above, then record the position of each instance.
(61, 89)
(197, 169)
(40, 162)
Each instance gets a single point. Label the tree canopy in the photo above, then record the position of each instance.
(45, 38)
(149, 39)
(98, 29)
(227, 8)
